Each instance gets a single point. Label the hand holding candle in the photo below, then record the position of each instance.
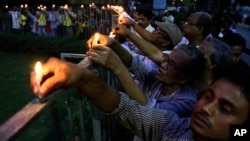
(86, 62)
(120, 11)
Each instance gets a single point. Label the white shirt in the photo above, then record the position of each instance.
(15, 19)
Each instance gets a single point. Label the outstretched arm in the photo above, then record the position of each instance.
(58, 74)
(146, 47)
(139, 29)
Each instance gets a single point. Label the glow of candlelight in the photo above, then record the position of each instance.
(66, 6)
(86, 62)
(38, 68)
(111, 35)
(96, 39)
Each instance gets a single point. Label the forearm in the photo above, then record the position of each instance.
(124, 55)
(141, 31)
(129, 86)
(99, 93)
(147, 48)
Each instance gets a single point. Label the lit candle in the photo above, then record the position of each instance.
(38, 68)
(96, 39)
(111, 34)
(86, 62)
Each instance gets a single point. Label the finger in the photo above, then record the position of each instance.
(50, 84)
(89, 42)
(99, 47)
(94, 54)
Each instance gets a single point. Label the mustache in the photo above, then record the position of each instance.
(204, 118)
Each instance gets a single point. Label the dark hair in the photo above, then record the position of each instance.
(205, 21)
(221, 53)
(196, 65)
(233, 39)
(157, 18)
(146, 13)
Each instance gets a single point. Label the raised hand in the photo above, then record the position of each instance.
(106, 57)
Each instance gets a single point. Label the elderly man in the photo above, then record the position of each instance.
(196, 28)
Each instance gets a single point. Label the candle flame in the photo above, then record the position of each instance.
(111, 35)
(38, 68)
(96, 39)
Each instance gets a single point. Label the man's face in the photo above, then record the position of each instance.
(190, 27)
(143, 21)
(221, 105)
(170, 71)
(236, 53)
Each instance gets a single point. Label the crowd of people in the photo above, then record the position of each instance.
(178, 82)
(61, 21)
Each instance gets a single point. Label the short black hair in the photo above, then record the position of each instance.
(146, 13)
(233, 39)
(196, 65)
(240, 76)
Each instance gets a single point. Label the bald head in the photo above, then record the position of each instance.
(204, 20)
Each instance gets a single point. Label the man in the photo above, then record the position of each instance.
(170, 90)
(144, 20)
(237, 44)
(168, 16)
(218, 55)
(196, 28)
(172, 34)
(226, 102)
(15, 14)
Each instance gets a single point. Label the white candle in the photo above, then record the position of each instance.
(38, 68)
(86, 62)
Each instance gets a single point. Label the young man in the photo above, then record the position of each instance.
(144, 20)
(226, 102)
(237, 44)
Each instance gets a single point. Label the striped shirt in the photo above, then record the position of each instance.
(152, 124)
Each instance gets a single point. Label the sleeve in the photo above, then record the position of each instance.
(182, 103)
(138, 68)
(148, 124)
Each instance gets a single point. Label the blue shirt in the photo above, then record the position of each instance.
(181, 101)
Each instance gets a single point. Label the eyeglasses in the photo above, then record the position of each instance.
(188, 22)
(161, 32)
(171, 65)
